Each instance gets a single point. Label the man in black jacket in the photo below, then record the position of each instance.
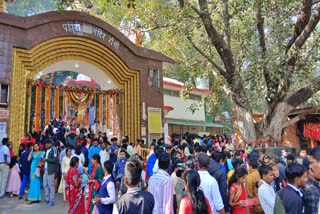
(221, 177)
(289, 198)
(311, 192)
(51, 167)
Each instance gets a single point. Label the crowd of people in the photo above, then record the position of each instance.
(191, 174)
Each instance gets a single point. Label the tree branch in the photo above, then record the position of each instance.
(262, 41)
(303, 94)
(305, 34)
(221, 46)
(293, 120)
(260, 26)
(316, 2)
(302, 21)
(292, 52)
(226, 20)
(221, 71)
(157, 26)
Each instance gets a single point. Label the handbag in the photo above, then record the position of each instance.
(40, 166)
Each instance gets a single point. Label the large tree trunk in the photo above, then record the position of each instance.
(270, 129)
(245, 125)
(278, 121)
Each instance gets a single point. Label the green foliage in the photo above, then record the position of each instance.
(168, 26)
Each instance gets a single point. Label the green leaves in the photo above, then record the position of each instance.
(166, 26)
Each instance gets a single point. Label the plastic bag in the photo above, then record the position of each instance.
(115, 209)
(38, 174)
(95, 210)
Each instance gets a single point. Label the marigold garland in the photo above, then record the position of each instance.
(56, 103)
(84, 89)
(108, 111)
(79, 103)
(100, 108)
(37, 118)
(115, 131)
(47, 105)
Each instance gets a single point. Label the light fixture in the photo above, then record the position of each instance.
(76, 65)
(109, 81)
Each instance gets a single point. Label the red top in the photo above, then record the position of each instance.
(240, 195)
(186, 206)
(79, 142)
(11, 153)
(24, 141)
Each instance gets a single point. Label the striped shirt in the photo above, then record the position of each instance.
(160, 186)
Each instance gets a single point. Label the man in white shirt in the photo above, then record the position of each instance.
(160, 186)
(107, 191)
(104, 153)
(209, 185)
(4, 166)
(78, 130)
(266, 193)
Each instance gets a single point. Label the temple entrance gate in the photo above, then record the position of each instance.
(29, 45)
(28, 63)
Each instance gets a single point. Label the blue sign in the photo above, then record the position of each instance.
(91, 115)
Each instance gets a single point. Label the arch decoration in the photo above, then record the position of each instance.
(28, 63)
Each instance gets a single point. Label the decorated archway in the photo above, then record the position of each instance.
(74, 92)
(28, 63)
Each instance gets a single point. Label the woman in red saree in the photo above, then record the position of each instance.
(73, 189)
(237, 191)
(94, 181)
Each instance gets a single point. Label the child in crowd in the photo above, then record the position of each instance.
(14, 181)
(84, 181)
(118, 172)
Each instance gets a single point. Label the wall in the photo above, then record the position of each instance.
(181, 129)
(290, 137)
(181, 110)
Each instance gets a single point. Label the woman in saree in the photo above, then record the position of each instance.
(34, 193)
(237, 191)
(65, 165)
(74, 189)
(94, 181)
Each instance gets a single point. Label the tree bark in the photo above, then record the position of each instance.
(278, 121)
(245, 124)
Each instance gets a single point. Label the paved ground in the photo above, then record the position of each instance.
(16, 206)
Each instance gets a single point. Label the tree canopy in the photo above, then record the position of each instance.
(263, 54)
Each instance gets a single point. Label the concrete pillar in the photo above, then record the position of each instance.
(3, 6)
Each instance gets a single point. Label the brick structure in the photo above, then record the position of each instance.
(75, 35)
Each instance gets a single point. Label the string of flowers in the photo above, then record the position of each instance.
(82, 89)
